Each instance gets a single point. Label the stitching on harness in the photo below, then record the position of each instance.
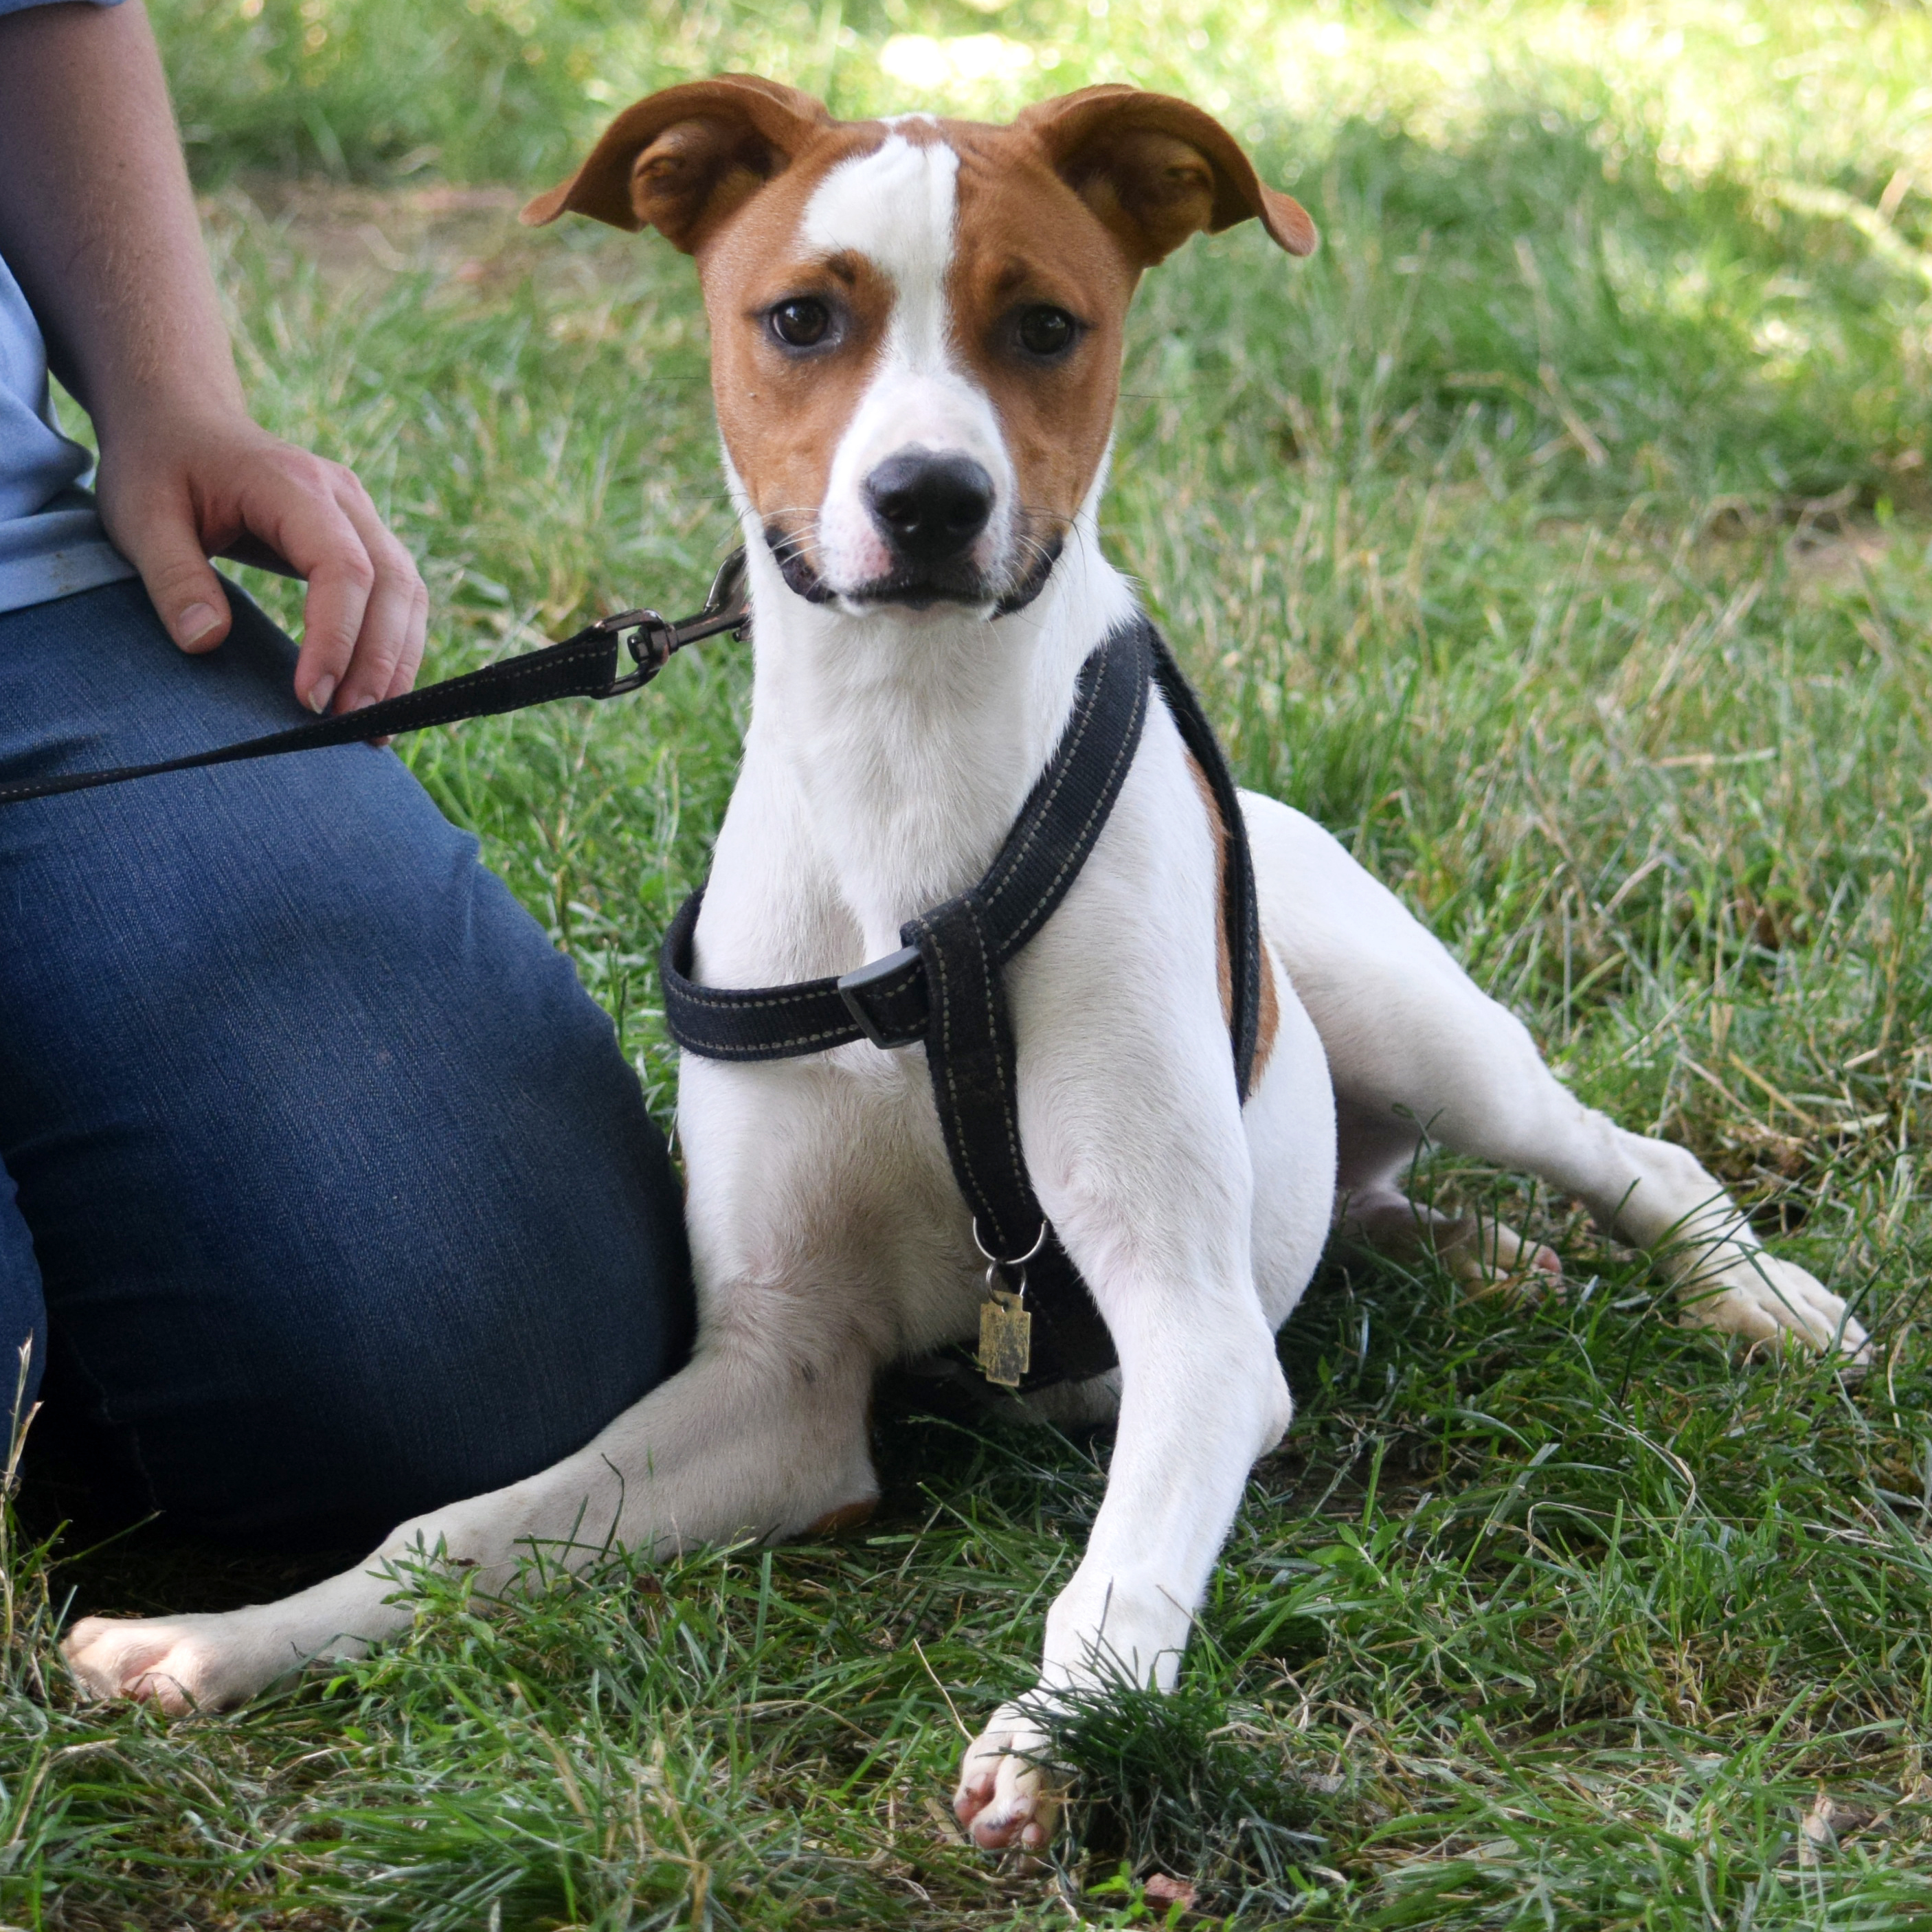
(952, 1079)
(732, 999)
(1083, 719)
(1102, 805)
(844, 1036)
(736, 999)
(1006, 1106)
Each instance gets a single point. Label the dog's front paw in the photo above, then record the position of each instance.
(182, 1663)
(1009, 1789)
(1762, 1298)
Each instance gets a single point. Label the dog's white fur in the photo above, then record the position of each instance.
(889, 752)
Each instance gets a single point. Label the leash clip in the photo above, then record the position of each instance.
(652, 638)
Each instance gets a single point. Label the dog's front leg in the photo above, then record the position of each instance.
(744, 1441)
(1202, 1396)
(1137, 1151)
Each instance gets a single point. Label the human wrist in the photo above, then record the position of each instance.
(198, 396)
(173, 426)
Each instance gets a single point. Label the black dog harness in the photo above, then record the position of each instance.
(945, 987)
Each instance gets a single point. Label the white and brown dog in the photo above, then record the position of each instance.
(917, 331)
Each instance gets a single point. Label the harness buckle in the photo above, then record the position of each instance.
(857, 988)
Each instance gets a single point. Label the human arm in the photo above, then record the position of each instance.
(98, 225)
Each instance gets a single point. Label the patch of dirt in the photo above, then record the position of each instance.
(1831, 560)
(366, 236)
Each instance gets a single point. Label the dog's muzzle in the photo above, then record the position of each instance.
(930, 510)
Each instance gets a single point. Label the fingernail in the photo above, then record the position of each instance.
(363, 703)
(318, 698)
(195, 622)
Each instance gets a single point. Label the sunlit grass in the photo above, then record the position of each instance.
(1559, 536)
(1831, 94)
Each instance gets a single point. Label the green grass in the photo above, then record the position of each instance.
(1560, 535)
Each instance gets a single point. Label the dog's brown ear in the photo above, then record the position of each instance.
(681, 161)
(1156, 169)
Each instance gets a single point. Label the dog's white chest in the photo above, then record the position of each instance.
(871, 1225)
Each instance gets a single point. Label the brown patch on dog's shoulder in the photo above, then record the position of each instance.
(1269, 1019)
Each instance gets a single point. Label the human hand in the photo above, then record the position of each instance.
(173, 493)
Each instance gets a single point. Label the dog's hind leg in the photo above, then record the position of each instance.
(1376, 1146)
(737, 1445)
(1414, 1048)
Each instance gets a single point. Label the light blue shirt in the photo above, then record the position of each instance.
(51, 542)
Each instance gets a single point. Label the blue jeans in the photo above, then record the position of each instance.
(326, 1187)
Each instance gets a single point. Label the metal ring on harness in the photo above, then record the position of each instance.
(994, 1263)
(1009, 1261)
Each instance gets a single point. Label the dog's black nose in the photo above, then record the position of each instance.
(929, 507)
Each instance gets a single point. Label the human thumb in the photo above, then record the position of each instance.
(186, 593)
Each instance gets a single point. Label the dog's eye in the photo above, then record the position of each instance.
(1045, 330)
(803, 323)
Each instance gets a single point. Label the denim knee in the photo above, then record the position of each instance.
(343, 1200)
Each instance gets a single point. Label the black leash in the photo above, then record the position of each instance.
(583, 666)
(946, 987)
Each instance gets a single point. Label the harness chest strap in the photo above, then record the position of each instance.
(946, 986)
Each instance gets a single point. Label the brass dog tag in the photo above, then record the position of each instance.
(1006, 1338)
